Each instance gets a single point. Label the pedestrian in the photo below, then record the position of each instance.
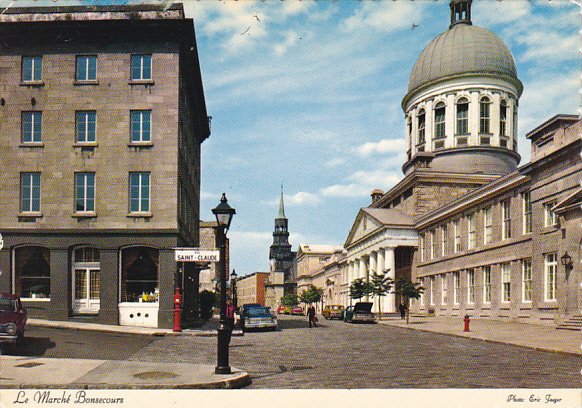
(229, 318)
(311, 316)
(402, 307)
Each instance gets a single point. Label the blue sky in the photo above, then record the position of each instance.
(307, 94)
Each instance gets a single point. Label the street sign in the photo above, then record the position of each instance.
(197, 255)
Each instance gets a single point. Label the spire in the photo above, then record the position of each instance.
(460, 12)
(281, 206)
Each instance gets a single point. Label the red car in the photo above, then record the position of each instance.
(12, 319)
(281, 309)
(297, 310)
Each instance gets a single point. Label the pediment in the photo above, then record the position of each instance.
(364, 225)
(371, 220)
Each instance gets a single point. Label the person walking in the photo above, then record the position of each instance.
(402, 308)
(229, 318)
(311, 316)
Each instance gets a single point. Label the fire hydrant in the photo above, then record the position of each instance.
(466, 320)
(177, 311)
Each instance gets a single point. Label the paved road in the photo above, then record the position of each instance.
(341, 355)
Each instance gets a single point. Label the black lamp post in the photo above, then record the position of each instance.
(567, 263)
(224, 214)
(233, 276)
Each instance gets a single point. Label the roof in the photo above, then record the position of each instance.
(320, 249)
(463, 50)
(390, 216)
(552, 123)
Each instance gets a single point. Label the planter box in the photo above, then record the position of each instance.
(138, 314)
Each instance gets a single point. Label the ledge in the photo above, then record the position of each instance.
(90, 214)
(31, 83)
(140, 215)
(31, 144)
(81, 83)
(141, 82)
(140, 144)
(30, 215)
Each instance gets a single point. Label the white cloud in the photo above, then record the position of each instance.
(304, 198)
(375, 178)
(383, 146)
(385, 16)
(346, 190)
(545, 45)
(489, 13)
(290, 40)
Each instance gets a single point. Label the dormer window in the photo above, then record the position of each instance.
(462, 116)
(439, 121)
(485, 116)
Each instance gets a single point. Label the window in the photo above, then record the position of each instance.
(85, 192)
(85, 127)
(141, 67)
(527, 220)
(141, 126)
(444, 240)
(470, 286)
(32, 272)
(456, 287)
(526, 280)
(86, 68)
(32, 127)
(472, 236)
(549, 214)
(462, 116)
(31, 69)
(421, 127)
(421, 280)
(503, 118)
(457, 232)
(432, 290)
(487, 226)
(432, 244)
(551, 272)
(30, 192)
(486, 284)
(422, 243)
(444, 289)
(139, 274)
(139, 192)
(505, 282)
(506, 219)
(439, 121)
(484, 115)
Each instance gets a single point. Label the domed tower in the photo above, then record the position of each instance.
(461, 103)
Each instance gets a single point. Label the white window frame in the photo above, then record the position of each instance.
(34, 59)
(141, 195)
(439, 121)
(444, 289)
(527, 212)
(487, 284)
(86, 199)
(432, 245)
(30, 177)
(487, 226)
(432, 278)
(422, 243)
(35, 126)
(470, 286)
(526, 281)
(550, 277)
(140, 117)
(471, 232)
(444, 240)
(457, 233)
(505, 282)
(141, 76)
(550, 218)
(506, 219)
(456, 287)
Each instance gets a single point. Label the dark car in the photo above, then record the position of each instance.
(12, 319)
(258, 318)
(361, 312)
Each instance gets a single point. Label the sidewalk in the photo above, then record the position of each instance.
(38, 372)
(544, 338)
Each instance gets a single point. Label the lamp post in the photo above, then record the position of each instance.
(233, 276)
(223, 213)
(567, 263)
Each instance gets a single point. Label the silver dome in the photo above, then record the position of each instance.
(463, 50)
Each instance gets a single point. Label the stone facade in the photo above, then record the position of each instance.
(167, 162)
(251, 288)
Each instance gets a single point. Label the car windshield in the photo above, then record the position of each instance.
(7, 305)
(258, 311)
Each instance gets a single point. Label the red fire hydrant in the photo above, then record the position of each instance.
(177, 311)
(466, 320)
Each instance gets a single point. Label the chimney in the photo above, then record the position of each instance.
(376, 195)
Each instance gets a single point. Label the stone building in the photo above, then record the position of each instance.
(484, 237)
(102, 115)
(251, 288)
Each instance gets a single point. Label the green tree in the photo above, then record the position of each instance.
(311, 295)
(408, 290)
(380, 286)
(289, 299)
(359, 288)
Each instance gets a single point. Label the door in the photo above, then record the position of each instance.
(86, 282)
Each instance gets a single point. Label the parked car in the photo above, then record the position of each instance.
(333, 311)
(297, 310)
(13, 317)
(281, 309)
(258, 318)
(360, 312)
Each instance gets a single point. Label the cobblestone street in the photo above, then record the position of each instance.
(341, 355)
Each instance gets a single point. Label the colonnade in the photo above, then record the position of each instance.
(380, 261)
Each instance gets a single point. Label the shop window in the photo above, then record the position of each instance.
(32, 272)
(139, 274)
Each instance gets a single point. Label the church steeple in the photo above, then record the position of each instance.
(281, 206)
(460, 12)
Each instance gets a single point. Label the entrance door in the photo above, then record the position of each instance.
(86, 282)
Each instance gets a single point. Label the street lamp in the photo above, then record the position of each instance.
(223, 213)
(567, 263)
(233, 276)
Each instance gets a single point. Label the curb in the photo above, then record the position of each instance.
(489, 340)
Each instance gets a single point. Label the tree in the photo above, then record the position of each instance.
(359, 288)
(289, 299)
(408, 290)
(311, 295)
(380, 285)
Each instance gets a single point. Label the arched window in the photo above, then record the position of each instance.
(139, 274)
(421, 126)
(503, 118)
(462, 116)
(32, 272)
(484, 115)
(439, 121)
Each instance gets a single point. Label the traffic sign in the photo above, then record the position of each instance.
(197, 255)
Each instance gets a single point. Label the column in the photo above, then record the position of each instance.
(390, 266)
(380, 262)
(362, 268)
(373, 262)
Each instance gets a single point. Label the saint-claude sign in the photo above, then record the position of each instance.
(197, 255)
